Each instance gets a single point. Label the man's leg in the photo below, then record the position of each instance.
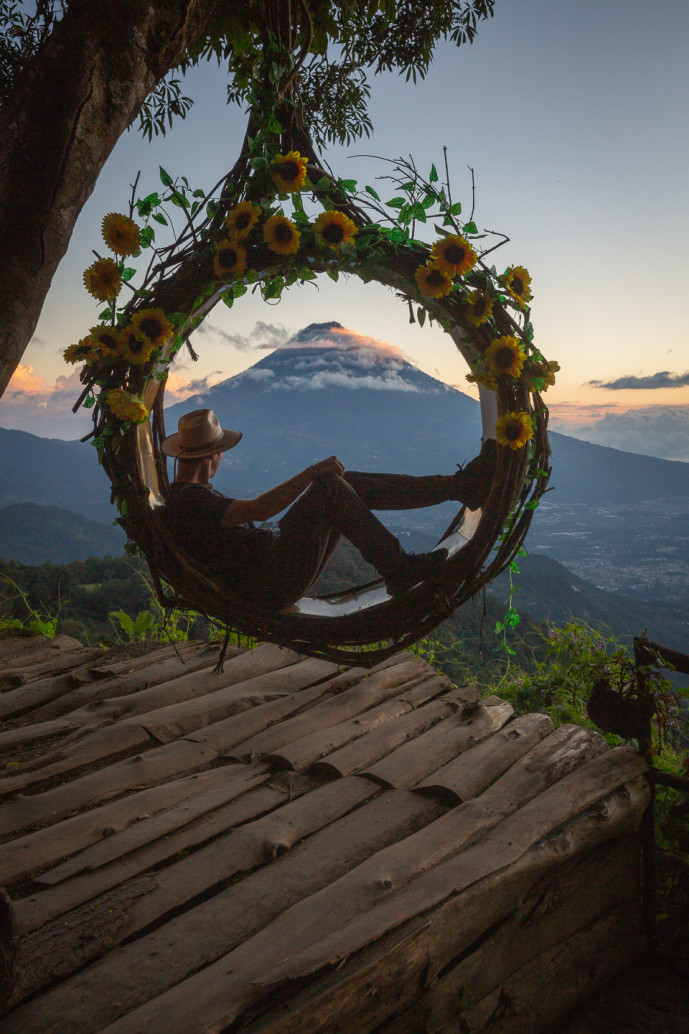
(469, 485)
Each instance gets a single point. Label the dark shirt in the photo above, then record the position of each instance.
(193, 514)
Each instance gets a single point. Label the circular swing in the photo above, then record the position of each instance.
(485, 314)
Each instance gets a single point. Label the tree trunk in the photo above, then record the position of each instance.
(67, 112)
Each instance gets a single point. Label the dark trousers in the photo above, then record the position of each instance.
(334, 506)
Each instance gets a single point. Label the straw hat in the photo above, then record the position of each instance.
(199, 434)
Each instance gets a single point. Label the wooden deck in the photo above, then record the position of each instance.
(286, 847)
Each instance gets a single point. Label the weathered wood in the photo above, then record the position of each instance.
(473, 771)
(172, 759)
(25, 735)
(379, 742)
(410, 763)
(19, 642)
(317, 933)
(76, 703)
(39, 909)
(27, 652)
(54, 664)
(100, 745)
(238, 779)
(43, 847)
(168, 723)
(303, 752)
(160, 653)
(141, 969)
(367, 693)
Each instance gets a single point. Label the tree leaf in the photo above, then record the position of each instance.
(421, 316)
(456, 208)
(470, 227)
(397, 202)
(160, 218)
(372, 192)
(433, 175)
(165, 177)
(127, 273)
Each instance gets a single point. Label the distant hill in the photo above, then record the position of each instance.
(34, 534)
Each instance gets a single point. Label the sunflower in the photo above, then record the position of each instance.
(281, 235)
(505, 356)
(121, 234)
(230, 259)
(334, 229)
(518, 283)
(103, 280)
(542, 375)
(154, 324)
(242, 219)
(125, 406)
(479, 308)
(453, 255)
(135, 347)
(432, 282)
(485, 379)
(514, 430)
(288, 172)
(106, 342)
(83, 352)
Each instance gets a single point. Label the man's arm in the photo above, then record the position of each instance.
(277, 499)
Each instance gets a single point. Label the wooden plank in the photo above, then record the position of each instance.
(101, 745)
(77, 703)
(45, 846)
(473, 771)
(410, 763)
(25, 735)
(170, 722)
(381, 741)
(140, 969)
(331, 925)
(57, 661)
(238, 779)
(28, 651)
(166, 762)
(37, 910)
(155, 656)
(302, 753)
(370, 691)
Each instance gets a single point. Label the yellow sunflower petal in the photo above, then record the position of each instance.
(154, 324)
(121, 234)
(518, 284)
(103, 280)
(135, 347)
(82, 352)
(126, 407)
(281, 235)
(229, 260)
(333, 229)
(504, 357)
(432, 282)
(453, 255)
(288, 172)
(484, 379)
(479, 308)
(242, 219)
(514, 430)
(106, 341)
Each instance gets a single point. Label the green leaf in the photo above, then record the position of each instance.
(421, 316)
(180, 200)
(348, 185)
(409, 187)
(470, 227)
(456, 208)
(397, 202)
(147, 235)
(199, 193)
(532, 505)
(433, 175)
(333, 274)
(127, 273)
(106, 314)
(372, 192)
(324, 183)
(428, 201)
(165, 177)
(159, 218)
(228, 299)
(418, 212)
(514, 566)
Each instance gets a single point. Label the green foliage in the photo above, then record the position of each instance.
(33, 618)
(21, 33)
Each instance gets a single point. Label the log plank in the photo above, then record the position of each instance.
(474, 770)
(172, 759)
(286, 951)
(155, 656)
(302, 753)
(143, 968)
(44, 847)
(372, 690)
(410, 763)
(56, 663)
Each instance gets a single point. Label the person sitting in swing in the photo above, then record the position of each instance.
(323, 502)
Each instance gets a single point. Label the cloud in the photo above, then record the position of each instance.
(661, 431)
(663, 379)
(342, 379)
(43, 409)
(180, 388)
(263, 335)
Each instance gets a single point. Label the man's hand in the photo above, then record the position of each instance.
(330, 466)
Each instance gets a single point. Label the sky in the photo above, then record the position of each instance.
(573, 117)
